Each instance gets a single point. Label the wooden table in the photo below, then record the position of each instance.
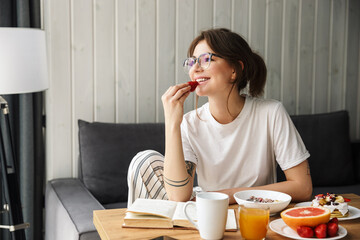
(108, 224)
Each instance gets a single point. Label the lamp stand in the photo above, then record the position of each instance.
(10, 183)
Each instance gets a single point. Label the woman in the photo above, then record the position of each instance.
(233, 140)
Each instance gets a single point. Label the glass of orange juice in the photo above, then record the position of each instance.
(253, 222)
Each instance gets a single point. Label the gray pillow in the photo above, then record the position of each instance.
(106, 150)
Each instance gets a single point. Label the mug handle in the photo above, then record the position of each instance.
(187, 216)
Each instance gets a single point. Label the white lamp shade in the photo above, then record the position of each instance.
(23, 62)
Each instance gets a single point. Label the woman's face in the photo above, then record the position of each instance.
(216, 79)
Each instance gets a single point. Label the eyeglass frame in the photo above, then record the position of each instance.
(197, 60)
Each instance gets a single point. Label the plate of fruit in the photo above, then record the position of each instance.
(308, 222)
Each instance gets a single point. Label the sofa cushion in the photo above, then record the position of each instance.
(106, 150)
(326, 136)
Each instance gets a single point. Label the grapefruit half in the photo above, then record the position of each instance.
(305, 216)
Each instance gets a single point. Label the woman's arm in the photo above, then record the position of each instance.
(178, 174)
(298, 184)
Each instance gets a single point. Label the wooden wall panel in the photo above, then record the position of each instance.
(273, 49)
(203, 20)
(145, 59)
(104, 60)
(241, 17)
(82, 68)
(125, 61)
(112, 60)
(185, 10)
(222, 13)
(352, 90)
(305, 78)
(257, 29)
(322, 56)
(165, 54)
(338, 55)
(290, 54)
(59, 98)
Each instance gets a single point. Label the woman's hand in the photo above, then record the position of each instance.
(173, 102)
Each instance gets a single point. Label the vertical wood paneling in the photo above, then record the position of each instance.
(222, 13)
(273, 50)
(58, 97)
(204, 15)
(241, 17)
(203, 20)
(82, 67)
(352, 71)
(322, 55)
(257, 31)
(184, 36)
(111, 60)
(165, 63)
(306, 57)
(104, 60)
(289, 54)
(337, 55)
(146, 40)
(125, 61)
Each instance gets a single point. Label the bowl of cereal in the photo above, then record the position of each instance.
(276, 201)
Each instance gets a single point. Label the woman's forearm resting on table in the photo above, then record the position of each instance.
(298, 184)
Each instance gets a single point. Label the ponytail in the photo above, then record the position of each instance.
(257, 76)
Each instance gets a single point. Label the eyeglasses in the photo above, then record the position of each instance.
(203, 60)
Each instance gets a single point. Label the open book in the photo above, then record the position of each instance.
(154, 213)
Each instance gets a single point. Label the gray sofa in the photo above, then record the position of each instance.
(106, 150)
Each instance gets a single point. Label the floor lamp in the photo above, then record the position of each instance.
(23, 69)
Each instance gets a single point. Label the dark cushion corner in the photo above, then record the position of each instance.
(106, 150)
(326, 136)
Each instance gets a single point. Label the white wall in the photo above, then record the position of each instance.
(111, 60)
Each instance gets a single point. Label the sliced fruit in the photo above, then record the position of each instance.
(305, 216)
(193, 85)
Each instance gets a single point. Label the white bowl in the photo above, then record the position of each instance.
(275, 207)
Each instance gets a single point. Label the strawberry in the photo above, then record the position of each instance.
(320, 230)
(305, 232)
(334, 220)
(193, 85)
(332, 229)
(347, 199)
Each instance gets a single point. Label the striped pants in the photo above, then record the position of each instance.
(145, 177)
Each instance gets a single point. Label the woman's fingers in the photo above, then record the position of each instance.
(176, 92)
(174, 89)
(181, 92)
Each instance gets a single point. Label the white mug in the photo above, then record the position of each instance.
(211, 212)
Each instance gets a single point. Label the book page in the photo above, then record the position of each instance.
(180, 215)
(141, 216)
(157, 207)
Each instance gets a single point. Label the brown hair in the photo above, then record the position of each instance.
(233, 48)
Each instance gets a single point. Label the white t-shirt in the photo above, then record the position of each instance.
(241, 153)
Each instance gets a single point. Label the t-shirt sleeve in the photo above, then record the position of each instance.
(289, 148)
(189, 154)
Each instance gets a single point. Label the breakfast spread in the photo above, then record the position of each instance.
(335, 203)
